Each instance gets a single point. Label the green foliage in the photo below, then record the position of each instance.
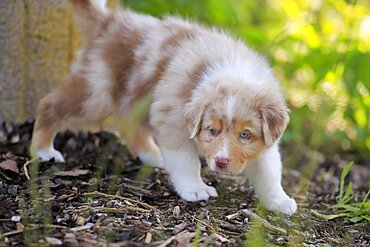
(344, 198)
(38, 208)
(356, 211)
(256, 236)
(198, 230)
(320, 52)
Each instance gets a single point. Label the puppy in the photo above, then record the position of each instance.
(210, 95)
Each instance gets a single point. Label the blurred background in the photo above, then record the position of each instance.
(319, 49)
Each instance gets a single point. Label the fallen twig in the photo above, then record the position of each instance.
(97, 193)
(264, 223)
(38, 226)
(253, 216)
(25, 167)
(6, 234)
(112, 210)
(81, 228)
(231, 216)
(33, 227)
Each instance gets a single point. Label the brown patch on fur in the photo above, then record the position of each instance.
(119, 54)
(217, 123)
(67, 101)
(147, 86)
(71, 96)
(241, 125)
(194, 76)
(88, 16)
(43, 138)
(168, 46)
(197, 72)
(141, 142)
(180, 35)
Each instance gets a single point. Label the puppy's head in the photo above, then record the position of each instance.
(233, 125)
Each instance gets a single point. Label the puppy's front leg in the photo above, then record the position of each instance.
(183, 167)
(265, 176)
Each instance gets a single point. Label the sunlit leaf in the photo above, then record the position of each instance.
(356, 219)
(343, 176)
(348, 192)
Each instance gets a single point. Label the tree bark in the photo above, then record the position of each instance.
(37, 44)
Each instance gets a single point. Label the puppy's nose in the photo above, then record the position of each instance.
(221, 162)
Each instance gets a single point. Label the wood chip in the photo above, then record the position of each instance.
(176, 211)
(148, 238)
(53, 241)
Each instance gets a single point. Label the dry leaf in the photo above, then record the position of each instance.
(10, 165)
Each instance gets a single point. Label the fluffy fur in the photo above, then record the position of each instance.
(211, 95)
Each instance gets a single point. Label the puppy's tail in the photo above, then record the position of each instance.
(90, 14)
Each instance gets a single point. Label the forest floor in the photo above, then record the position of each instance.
(102, 196)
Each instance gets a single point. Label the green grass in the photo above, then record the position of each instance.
(355, 211)
(198, 230)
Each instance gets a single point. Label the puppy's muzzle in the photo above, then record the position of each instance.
(221, 162)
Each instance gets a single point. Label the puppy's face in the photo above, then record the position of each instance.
(235, 127)
(229, 136)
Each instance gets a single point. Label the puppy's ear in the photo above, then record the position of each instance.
(274, 121)
(193, 116)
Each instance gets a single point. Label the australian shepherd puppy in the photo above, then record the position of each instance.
(210, 95)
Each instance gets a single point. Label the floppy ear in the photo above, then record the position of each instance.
(193, 116)
(274, 121)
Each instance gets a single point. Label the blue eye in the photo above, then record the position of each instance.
(245, 134)
(213, 131)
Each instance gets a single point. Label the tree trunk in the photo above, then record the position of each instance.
(37, 43)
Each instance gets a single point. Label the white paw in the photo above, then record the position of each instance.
(46, 155)
(284, 205)
(195, 191)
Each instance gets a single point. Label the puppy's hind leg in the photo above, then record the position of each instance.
(43, 135)
(61, 109)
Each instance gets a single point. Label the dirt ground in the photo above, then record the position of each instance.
(103, 197)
